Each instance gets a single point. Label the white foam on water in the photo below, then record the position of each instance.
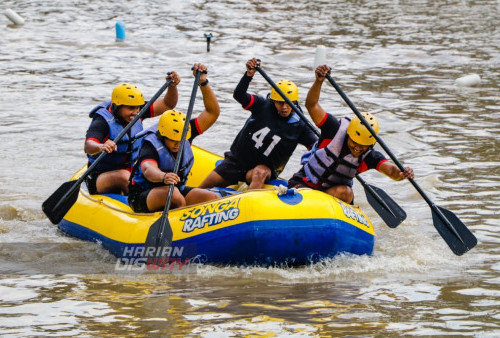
(470, 80)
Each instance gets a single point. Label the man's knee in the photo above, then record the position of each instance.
(343, 192)
(124, 179)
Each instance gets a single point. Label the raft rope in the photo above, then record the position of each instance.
(282, 190)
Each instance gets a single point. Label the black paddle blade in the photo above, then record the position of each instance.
(385, 206)
(454, 232)
(156, 245)
(56, 212)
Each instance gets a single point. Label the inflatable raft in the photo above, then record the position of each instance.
(263, 227)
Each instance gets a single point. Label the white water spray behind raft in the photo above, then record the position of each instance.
(468, 80)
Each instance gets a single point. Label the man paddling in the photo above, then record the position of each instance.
(109, 118)
(344, 148)
(153, 173)
(264, 145)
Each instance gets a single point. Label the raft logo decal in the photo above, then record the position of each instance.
(210, 214)
(353, 214)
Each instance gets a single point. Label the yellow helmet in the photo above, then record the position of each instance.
(128, 95)
(171, 125)
(288, 88)
(358, 132)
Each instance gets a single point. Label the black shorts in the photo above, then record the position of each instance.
(137, 198)
(296, 182)
(231, 170)
(91, 181)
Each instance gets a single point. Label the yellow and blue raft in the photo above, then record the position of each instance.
(263, 227)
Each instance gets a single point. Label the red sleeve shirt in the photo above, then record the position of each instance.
(329, 127)
(98, 130)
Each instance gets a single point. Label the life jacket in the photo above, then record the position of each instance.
(166, 161)
(123, 157)
(326, 168)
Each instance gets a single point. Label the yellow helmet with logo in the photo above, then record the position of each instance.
(358, 132)
(128, 95)
(288, 88)
(171, 125)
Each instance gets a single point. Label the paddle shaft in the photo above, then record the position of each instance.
(391, 155)
(177, 164)
(117, 138)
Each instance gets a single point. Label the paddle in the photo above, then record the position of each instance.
(390, 212)
(383, 204)
(160, 233)
(59, 203)
(454, 232)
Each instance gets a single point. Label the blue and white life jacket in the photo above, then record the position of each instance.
(123, 157)
(166, 160)
(324, 167)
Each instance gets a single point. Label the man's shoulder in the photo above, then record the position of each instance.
(330, 125)
(98, 122)
(259, 104)
(148, 150)
(376, 154)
